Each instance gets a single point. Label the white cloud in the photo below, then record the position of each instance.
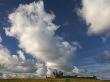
(32, 26)
(76, 70)
(41, 69)
(96, 14)
(50, 72)
(5, 56)
(0, 39)
(21, 55)
(12, 63)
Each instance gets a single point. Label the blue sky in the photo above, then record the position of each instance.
(73, 28)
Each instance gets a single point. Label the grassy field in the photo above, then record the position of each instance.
(51, 80)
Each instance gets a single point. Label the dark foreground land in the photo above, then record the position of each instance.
(53, 80)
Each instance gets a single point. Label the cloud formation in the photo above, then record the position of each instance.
(21, 55)
(12, 63)
(76, 70)
(0, 39)
(96, 14)
(33, 27)
(5, 56)
(103, 58)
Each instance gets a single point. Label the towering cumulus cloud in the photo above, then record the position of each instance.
(32, 26)
(97, 15)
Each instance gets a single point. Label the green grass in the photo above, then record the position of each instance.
(52, 80)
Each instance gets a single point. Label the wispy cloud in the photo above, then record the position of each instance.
(103, 58)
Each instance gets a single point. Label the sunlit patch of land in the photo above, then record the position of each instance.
(54, 80)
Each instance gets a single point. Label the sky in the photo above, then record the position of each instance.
(38, 36)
